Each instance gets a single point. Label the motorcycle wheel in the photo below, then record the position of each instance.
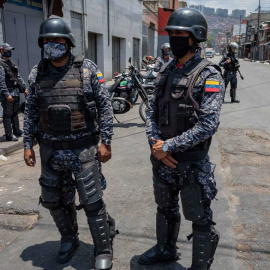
(142, 109)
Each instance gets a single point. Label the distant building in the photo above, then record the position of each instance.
(222, 12)
(150, 29)
(208, 11)
(237, 13)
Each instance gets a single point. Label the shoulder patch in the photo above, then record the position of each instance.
(100, 77)
(212, 86)
(85, 72)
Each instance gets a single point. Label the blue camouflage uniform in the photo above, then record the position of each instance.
(230, 73)
(10, 109)
(160, 62)
(208, 121)
(66, 161)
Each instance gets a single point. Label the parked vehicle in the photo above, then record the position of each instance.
(125, 91)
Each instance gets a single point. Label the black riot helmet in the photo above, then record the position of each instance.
(55, 27)
(165, 46)
(232, 45)
(190, 20)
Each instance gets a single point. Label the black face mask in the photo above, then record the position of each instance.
(7, 54)
(179, 46)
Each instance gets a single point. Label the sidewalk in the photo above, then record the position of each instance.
(9, 147)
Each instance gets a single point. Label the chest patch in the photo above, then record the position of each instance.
(85, 72)
(212, 86)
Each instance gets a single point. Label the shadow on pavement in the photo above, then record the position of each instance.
(134, 265)
(45, 256)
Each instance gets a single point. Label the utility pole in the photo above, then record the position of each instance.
(240, 36)
(259, 15)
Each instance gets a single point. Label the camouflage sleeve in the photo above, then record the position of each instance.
(103, 102)
(3, 86)
(21, 81)
(222, 61)
(208, 120)
(158, 65)
(31, 112)
(152, 129)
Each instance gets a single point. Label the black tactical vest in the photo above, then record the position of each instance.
(62, 105)
(11, 71)
(177, 109)
(231, 66)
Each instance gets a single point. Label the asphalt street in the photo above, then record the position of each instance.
(241, 152)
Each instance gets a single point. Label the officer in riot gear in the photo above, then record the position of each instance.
(164, 58)
(68, 108)
(11, 85)
(231, 65)
(182, 116)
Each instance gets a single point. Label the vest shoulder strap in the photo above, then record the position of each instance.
(194, 76)
(165, 67)
(78, 60)
(43, 65)
(200, 64)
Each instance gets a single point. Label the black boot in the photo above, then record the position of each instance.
(204, 248)
(8, 129)
(66, 222)
(165, 250)
(233, 97)
(11, 138)
(102, 230)
(16, 126)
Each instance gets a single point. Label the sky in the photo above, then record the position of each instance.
(248, 5)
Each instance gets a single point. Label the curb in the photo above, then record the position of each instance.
(12, 148)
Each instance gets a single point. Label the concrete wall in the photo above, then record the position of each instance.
(125, 22)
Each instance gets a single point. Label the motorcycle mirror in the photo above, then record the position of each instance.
(129, 60)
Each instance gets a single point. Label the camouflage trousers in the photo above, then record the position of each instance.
(67, 164)
(231, 77)
(173, 179)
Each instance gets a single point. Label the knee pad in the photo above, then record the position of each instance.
(49, 205)
(192, 198)
(95, 209)
(162, 193)
(88, 184)
(49, 182)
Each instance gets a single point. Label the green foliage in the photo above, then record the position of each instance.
(209, 41)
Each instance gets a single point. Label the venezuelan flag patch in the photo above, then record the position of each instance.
(100, 77)
(212, 86)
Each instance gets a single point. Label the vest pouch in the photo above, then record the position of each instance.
(90, 111)
(159, 85)
(179, 87)
(186, 118)
(164, 114)
(59, 118)
(181, 118)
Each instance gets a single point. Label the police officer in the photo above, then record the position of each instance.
(11, 85)
(182, 116)
(164, 58)
(231, 64)
(68, 108)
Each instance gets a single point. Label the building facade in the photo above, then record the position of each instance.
(106, 31)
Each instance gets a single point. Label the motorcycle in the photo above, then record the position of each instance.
(147, 61)
(125, 91)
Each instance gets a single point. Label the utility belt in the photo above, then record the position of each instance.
(230, 72)
(62, 145)
(195, 154)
